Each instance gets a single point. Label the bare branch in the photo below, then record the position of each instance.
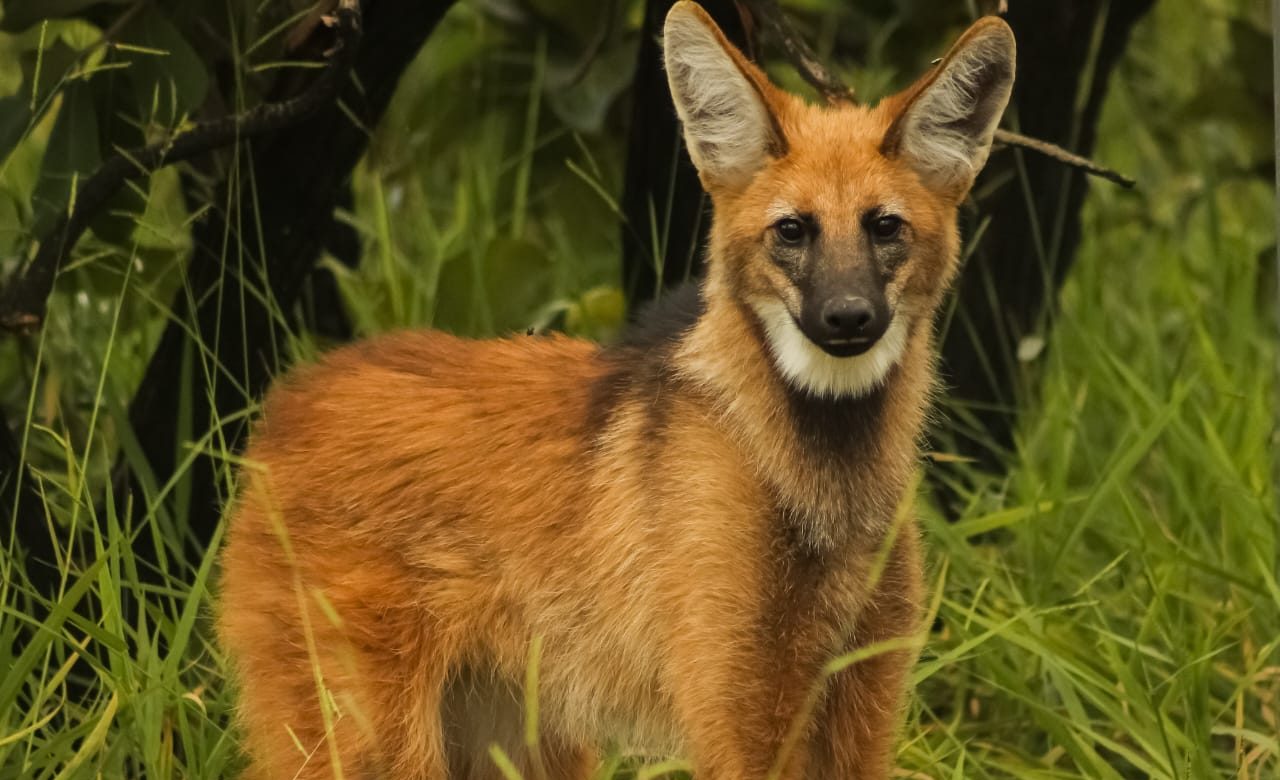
(812, 70)
(23, 302)
(810, 66)
(1010, 138)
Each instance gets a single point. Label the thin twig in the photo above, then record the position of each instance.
(805, 60)
(23, 302)
(811, 69)
(1010, 138)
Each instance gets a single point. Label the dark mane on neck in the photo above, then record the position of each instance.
(643, 354)
(665, 319)
(842, 427)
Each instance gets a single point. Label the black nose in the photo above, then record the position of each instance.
(850, 318)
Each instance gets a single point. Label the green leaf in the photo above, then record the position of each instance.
(598, 314)
(21, 14)
(584, 103)
(500, 293)
(15, 118)
(21, 110)
(581, 20)
(71, 155)
(163, 225)
(168, 77)
(10, 65)
(517, 282)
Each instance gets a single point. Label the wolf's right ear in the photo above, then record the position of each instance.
(721, 99)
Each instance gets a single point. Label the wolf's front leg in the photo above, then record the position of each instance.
(859, 722)
(861, 718)
(735, 706)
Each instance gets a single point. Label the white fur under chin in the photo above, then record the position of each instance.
(808, 368)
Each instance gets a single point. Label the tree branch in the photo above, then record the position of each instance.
(813, 71)
(662, 197)
(811, 68)
(1010, 138)
(23, 302)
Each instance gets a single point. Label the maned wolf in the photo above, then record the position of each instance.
(690, 524)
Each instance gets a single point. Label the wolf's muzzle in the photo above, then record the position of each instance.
(847, 325)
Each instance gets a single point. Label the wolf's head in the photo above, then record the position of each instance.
(836, 226)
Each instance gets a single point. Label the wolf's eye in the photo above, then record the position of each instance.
(790, 230)
(886, 228)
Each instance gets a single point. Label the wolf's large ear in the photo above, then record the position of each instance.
(720, 97)
(945, 128)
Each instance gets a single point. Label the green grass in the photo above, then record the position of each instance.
(1109, 608)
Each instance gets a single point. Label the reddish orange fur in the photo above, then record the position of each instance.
(421, 507)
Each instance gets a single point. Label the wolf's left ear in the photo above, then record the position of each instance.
(729, 127)
(944, 131)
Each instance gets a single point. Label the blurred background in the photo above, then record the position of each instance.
(1099, 492)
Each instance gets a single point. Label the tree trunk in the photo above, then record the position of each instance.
(282, 213)
(29, 536)
(666, 214)
(1008, 289)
